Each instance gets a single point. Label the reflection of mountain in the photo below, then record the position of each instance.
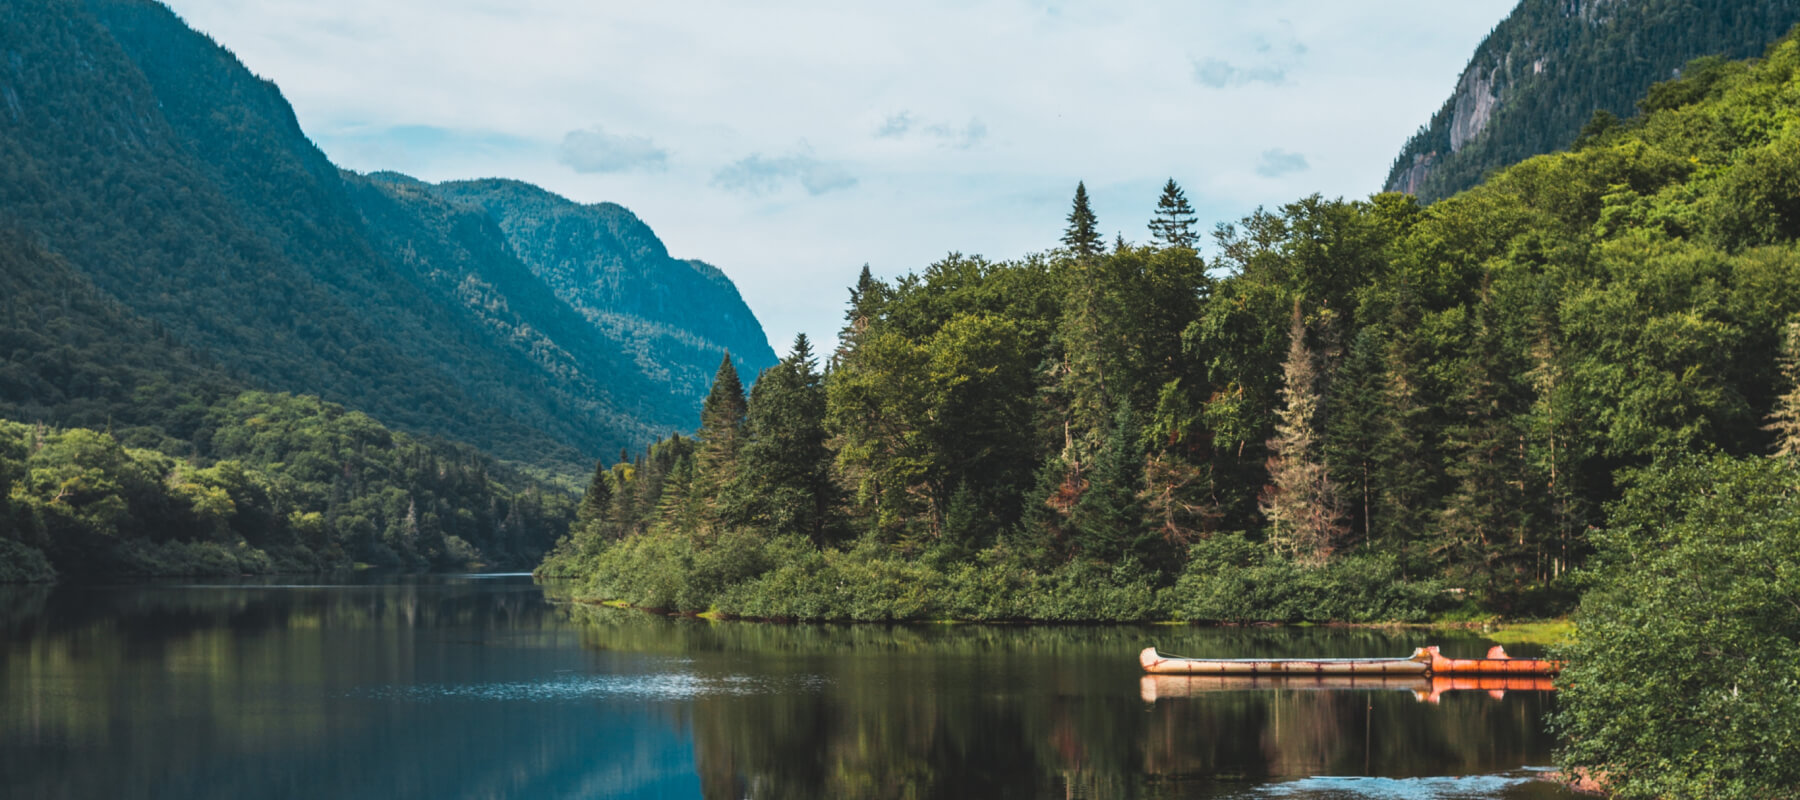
(267, 692)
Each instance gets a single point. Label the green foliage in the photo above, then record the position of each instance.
(1231, 579)
(1079, 437)
(1082, 238)
(785, 483)
(22, 563)
(1684, 673)
(1548, 72)
(172, 238)
(1173, 225)
(282, 484)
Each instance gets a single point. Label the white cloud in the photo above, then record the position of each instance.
(1278, 162)
(757, 174)
(595, 150)
(996, 108)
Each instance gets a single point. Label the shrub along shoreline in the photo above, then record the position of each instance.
(1228, 579)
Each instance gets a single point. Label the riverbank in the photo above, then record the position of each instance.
(1539, 633)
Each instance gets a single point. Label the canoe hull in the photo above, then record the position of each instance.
(1423, 661)
(1426, 688)
(1156, 663)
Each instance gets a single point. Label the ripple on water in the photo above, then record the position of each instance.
(1469, 787)
(674, 686)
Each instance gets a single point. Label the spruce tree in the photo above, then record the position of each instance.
(595, 503)
(1483, 522)
(1784, 421)
(721, 433)
(866, 299)
(1174, 222)
(1109, 517)
(1406, 465)
(1354, 428)
(1301, 503)
(1082, 238)
(784, 478)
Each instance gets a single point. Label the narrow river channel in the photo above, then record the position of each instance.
(489, 686)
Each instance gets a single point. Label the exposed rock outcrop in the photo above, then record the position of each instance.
(1546, 68)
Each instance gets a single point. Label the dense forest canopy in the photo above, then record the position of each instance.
(1416, 406)
(268, 483)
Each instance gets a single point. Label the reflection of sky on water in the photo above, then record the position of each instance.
(1468, 787)
(668, 687)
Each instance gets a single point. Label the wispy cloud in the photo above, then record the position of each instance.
(1273, 57)
(595, 150)
(1220, 74)
(1276, 163)
(903, 124)
(760, 174)
(895, 126)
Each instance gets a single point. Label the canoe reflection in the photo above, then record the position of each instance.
(1428, 689)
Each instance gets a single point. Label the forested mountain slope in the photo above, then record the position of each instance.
(1545, 69)
(673, 317)
(147, 160)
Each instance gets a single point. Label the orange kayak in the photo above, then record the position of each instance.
(1423, 661)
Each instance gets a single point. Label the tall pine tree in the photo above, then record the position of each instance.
(595, 505)
(1082, 238)
(721, 435)
(1301, 503)
(784, 479)
(1174, 222)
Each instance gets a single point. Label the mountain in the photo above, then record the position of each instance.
(1545, 70)
(672, 316)
(145, 164)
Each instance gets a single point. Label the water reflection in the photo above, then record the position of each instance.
(931, 711)
(482, 687)
(1424, 688)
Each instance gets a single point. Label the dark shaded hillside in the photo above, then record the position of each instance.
(1545, 69)
(145, 158)
(674, 317)
(69, 353)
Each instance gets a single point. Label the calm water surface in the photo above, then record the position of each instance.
(479, 687)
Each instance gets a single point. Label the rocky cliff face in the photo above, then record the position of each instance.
(1546, 68)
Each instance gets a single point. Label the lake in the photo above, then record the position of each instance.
(490, 686)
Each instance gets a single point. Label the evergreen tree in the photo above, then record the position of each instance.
(1354, 428)
(1082, 238)
(1175, 220)
(595, 506)
(1784, 421)
(1305, 522)
(1483, 523)
(721, 433)
(1109, 517)
(784, 479)
(866, 299)
(1405, 469)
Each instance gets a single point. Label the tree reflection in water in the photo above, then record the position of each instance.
(1063, 711)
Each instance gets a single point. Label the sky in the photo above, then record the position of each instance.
(791, 142)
